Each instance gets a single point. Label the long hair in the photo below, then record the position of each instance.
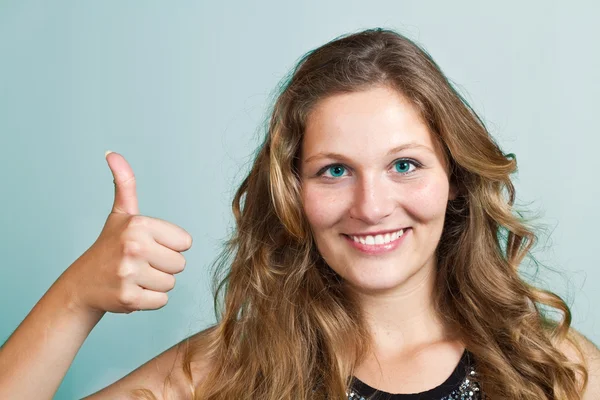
(287, 328)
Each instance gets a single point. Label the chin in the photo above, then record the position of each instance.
(373, 279)
(374, 287)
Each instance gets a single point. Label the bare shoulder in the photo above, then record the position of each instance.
(152, 376)
(591, 360)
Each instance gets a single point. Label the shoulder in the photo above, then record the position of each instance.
(580, 349)
(169, 375)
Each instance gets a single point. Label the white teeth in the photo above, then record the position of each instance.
(378, 239)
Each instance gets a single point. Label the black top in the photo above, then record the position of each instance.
(460, 384)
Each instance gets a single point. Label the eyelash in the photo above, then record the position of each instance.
(409, 160)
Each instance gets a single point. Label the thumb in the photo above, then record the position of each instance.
(125, 194)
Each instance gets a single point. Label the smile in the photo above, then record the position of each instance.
(376, 244)
(378, 239)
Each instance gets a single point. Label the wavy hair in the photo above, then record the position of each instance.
(288, 328)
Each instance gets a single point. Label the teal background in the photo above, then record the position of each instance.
(181, 89)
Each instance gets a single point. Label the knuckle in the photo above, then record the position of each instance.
(137, 221)
(129, 299)
(125, 272)
(132, 247)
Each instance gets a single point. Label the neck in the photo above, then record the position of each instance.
(404, 320)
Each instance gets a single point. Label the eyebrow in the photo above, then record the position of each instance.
(411, 145)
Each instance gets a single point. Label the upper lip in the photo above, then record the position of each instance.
(375, 233)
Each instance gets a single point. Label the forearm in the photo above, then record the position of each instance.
(36, 357)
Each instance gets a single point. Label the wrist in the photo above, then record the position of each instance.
(72, 301)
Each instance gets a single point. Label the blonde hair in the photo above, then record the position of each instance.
(288, 328)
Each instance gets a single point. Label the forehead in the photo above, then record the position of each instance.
(364, 124)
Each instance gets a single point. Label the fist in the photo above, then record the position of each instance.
(132, 264)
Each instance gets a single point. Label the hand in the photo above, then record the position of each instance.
(131, 265)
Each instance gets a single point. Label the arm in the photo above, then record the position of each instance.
(52, 334)
(36, 357)
(152, 376)
(130, 267)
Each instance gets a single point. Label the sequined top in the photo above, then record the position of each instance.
(461, 384)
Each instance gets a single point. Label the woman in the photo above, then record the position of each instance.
(376, 248)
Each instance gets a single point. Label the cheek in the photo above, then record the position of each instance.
(322, 207)
(428, 199)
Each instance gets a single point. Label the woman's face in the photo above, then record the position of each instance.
(370, 171)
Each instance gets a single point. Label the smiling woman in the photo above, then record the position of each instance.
(376, 255)
(377, 249)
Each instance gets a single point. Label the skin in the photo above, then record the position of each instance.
(374, 191)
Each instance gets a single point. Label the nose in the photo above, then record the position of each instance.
(372, 199)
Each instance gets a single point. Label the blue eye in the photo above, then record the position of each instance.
(403, 166)
(336, 170)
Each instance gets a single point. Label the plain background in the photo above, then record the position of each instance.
(181, 89)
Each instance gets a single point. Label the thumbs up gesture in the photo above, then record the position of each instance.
(132, 264)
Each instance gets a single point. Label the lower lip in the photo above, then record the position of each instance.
(378, 248)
